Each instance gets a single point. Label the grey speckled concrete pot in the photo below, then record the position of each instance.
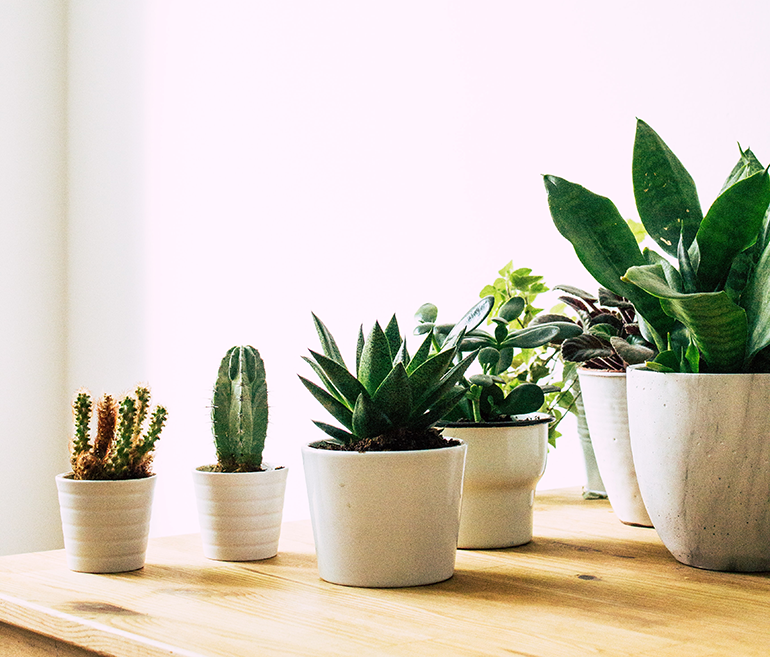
(701, 447)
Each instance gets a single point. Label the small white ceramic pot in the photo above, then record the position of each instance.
(701, 445)
(106, 524)
(240, 512)
(604, 397)
(385, 519)
(504, 463)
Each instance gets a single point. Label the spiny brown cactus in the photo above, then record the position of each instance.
(121, 448)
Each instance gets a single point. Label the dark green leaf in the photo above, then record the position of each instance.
(512, 308)
(336, 408)
(524, 398)
(428, 375)
(328, 344)
(603, 242)
(470, 320)
(394, 396)
(368, 420)
(756, 301)
(428, 395)
(576, 292)
(531, 337)
(342, 380)
(393, 334)
(665, 193)
(427, 312)
(585, 347)
(631, 354)
(439, 409)
(376, 361)
(338, 436)
(421, 355)
(488, 357)
(731, 225)
(746, 166)
(359, 349)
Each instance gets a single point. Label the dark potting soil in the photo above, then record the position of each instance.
(403, 440)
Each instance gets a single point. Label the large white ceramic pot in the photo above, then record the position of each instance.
(504, 463)
(701, 445)
(385, 519)
(106, 524)
(604, 397)
(240, 512)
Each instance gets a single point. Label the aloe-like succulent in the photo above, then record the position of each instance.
(610, 337)
(712, 313)
(124, 442)
(392, 394)
(239, 411)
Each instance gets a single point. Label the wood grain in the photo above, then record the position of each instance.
(585, 585)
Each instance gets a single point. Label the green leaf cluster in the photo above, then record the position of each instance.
(391, 390)
(717, 300)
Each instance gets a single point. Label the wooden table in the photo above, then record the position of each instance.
(586, 585)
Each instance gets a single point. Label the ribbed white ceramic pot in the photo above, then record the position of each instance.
(240, 512)
(385, 519)
(604, 398)
(502, 468)
(105, 524)
(701, 446)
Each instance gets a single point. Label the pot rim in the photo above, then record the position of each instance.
(525, 420)
(269, 467)
(67, 476)
(641, 368)
(608, 373)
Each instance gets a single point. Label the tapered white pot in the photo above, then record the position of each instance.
(604, 397)
(504, 463)
(385, 519)
(105, 524)
(240, 512)
(701, 445)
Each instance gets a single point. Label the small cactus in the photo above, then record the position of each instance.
(121, 448)
(239, 411)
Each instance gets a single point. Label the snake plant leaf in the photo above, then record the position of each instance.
(716, 324)
(666, 197)
(368, 419)
(603, 242)
(673, 278)
(687, 272)
(421, 355)
(393, 333)
(426, 313)
(585, 347)
(730, 226)
(632, 354)
(439, 409)
(470, 320)
(747, 165)
(524, 398)
(337, 435)
(337, 409)
(512, 308)
(394, 396)
(531, 336)
(376, 361)
(328, 344)
(426, 396)
(756, 302)
(342, 380)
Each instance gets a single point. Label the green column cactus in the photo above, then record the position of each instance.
(239, 411)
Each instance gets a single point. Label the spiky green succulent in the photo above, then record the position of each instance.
(239, 410)
(390, 391)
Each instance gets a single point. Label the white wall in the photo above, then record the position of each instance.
(236, 164)
(33, 415)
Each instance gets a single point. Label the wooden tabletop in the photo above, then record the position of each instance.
(586, 585)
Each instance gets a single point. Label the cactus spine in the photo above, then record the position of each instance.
(239, 411)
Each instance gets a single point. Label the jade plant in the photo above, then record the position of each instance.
(610, 337)
(124, 442)
(485, 397)
(239, 411)
(711, 313)
(391, 400)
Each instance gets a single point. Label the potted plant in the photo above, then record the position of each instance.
(611, 341)
(106, 500)
(507, 439)
(699, 434)
(384, 489)
(240, 498)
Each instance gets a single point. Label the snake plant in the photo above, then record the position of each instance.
(391, 393)
(712, 313)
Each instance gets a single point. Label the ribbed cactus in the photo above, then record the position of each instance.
(122, 448)
(239, 411)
